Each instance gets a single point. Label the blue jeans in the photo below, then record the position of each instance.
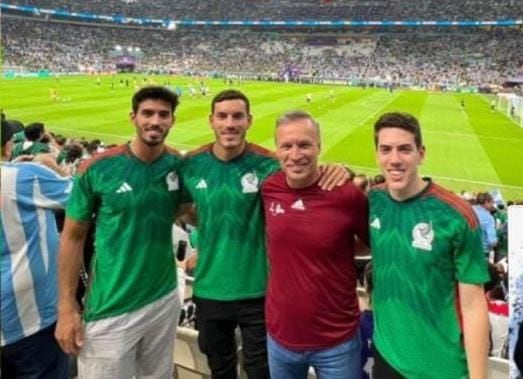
(35, 357)
(339, 362)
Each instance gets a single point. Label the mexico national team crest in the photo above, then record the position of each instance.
(250, 182)
(172, 181)
(422, 236)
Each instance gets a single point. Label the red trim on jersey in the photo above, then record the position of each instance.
(257, 149)
(250, 147)
(455, 202)
(202, 149)
(118, 150)
(173, 151)
(380, 187)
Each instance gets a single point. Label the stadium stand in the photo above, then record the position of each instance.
(421, 59)
(296, 10)
(432, 57)
(498, 368)
(189, 362)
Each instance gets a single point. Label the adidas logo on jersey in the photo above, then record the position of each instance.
(202, 184)
(124, 188)
(298, 204)
(376, 223)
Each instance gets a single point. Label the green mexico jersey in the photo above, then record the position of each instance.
(421, 249)
(134, 205)
(29, 148)
(232, 263)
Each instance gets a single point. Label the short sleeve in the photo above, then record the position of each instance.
(469, 258)
(81, 205)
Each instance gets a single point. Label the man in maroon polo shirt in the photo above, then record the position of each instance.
(311, 308)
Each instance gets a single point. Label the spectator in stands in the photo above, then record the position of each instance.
(132, 305)
(72, 159)
(230, 276)
(29, 249)
(425, 243)
(378, 179)
(367, 324)
(34, 134)
(483, 209)
(321, 329)
(361, 182)
(498, 310)
(223, 180)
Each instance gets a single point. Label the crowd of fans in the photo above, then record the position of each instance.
(293, 10)
(35, 139)
(457, 58)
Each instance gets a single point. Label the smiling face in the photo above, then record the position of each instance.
(230, 121)
(153, 119)
(399, 158)
(298, 149)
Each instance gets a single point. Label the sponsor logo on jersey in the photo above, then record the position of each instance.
(422, 236)
(298, 204)
(202, 184)
(173, 184)
(250, 183)
(275, 208)
(125, 187)
(376, 223)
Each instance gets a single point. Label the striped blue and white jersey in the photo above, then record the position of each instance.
(29, 248)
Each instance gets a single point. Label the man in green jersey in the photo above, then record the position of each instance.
(224, 179)
(430, 311)
(132, 305)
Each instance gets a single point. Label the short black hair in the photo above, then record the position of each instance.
(231, 94)
(33, 132)
(399, 120)
(155, 93)
(484, 197)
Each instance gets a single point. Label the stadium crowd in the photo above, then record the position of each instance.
(374, 10)
(475, 58)
(65, 155)
(422, 59)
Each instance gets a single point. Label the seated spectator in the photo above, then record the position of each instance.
(498, 311)
(34, 134)
(483, 210)
(361, 182)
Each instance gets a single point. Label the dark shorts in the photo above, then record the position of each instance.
(37, 356)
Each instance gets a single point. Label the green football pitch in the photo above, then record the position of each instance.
(468, 148)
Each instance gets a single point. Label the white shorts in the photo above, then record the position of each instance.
(137, 344)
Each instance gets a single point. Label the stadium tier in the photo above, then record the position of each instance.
(293, 10)
(453, 58)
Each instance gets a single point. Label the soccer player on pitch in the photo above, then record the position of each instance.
(430, 312)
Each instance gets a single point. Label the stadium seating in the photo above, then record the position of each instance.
(298, 10)
(422, 59)
(189, 362)
(498, 368)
